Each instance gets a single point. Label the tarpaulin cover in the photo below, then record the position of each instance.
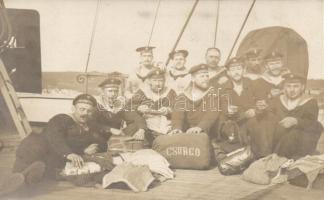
(281, 39)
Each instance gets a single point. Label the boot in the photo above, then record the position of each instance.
(34, 172)
(12, 183)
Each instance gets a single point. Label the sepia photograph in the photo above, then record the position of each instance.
(162, 99)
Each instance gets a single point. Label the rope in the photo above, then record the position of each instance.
(241, 29)
(216, 26)
(155, 17)
(91, 43)
(183, 29)
(5, 27)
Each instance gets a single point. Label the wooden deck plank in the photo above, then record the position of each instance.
(188, 184)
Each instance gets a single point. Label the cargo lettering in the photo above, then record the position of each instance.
(183, 151)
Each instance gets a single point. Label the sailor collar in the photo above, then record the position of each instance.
(230, 85)
(188, 93)
(155, 96)
(142, 71)
(294, 104)
(271, 80)
(175, 73)
(105, 106)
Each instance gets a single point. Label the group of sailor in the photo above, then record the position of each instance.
(252, 100)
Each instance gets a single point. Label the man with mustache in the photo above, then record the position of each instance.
(237, 106)
(113, 114)
(154, 101)
(217, 73)
(270, 83)
(65, 138)
(146, 61)
(294, 130)
(253, 64)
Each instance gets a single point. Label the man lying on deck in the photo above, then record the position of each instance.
(293, 129)
(65, 138)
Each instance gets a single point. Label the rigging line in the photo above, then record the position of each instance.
(6, 26)
(155, 17)
(216, 26)
(91, 43)
(241, 29)
(182, 30)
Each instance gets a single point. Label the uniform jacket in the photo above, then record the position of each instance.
(117, 117)
(202, 111)
(144, 96)
(244, 101)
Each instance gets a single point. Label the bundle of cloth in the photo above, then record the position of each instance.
(94, 168)
(138, 170)
(304, 172)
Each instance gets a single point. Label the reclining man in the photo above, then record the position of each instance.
(293, 123)
(154, 101)
(237, 100)
(65, 138)
(112, 113)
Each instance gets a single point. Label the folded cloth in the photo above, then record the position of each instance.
(137, 178)
(158, 123)
(156, 162)
(259, 172)
(310, 166)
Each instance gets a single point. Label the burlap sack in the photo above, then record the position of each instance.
(185, 151)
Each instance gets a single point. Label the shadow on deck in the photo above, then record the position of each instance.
(188, 184)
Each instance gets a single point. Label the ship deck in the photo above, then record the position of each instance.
(188, 184)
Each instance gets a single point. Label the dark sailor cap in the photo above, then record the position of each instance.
(198, 68)
(235, 61)
(294, 77)
(183, 52)
(145, 49)
(273, 56)
(110, 82)
(85, 98)
(253, 53)
(155, 73)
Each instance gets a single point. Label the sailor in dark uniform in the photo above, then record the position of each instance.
(217, 72)
(294, 129)
(196, 109)
(67, 137)
(270, 83)
(113, 114)
(237, 100)
(146, 61)
(154, 101)
(179, 76)
(254, 64)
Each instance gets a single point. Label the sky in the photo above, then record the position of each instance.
(124, 25)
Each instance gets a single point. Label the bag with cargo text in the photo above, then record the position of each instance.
(185, 151)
